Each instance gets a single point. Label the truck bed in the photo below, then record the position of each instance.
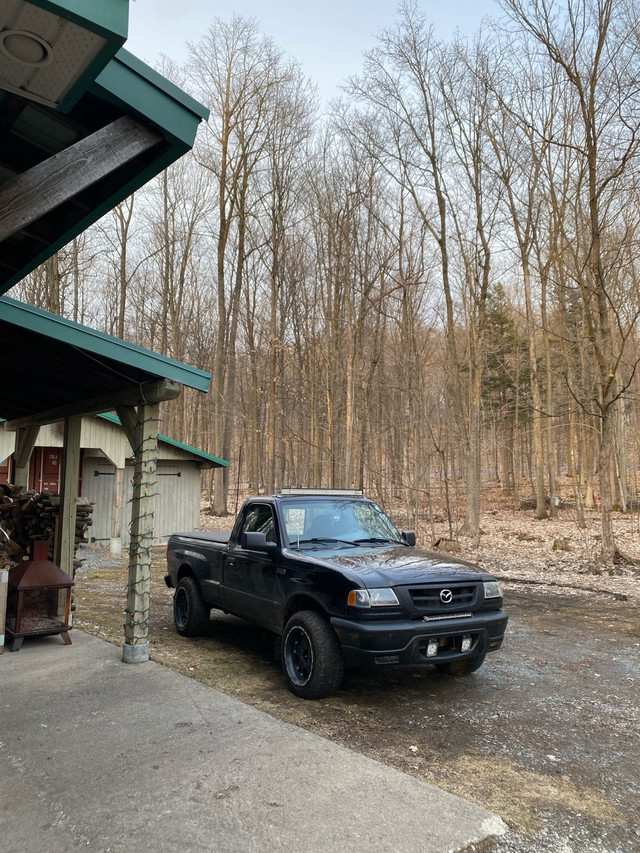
(220, 537)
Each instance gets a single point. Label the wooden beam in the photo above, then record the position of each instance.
(128, 418)
(25, 441)
(150, 392)
(30, 196)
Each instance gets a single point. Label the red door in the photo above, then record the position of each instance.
(45, 469)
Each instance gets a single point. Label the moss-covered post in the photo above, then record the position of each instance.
(136, 627)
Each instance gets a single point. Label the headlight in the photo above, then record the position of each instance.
(372, 598)
(492, 589)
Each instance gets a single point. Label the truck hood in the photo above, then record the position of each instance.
(396, 565)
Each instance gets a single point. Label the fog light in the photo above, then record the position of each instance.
(466, 644)
(432, 648)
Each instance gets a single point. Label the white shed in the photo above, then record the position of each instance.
(106, 473)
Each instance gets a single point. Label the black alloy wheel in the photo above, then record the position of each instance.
(190, 614)
(312, 659)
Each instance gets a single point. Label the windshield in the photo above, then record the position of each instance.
(337, 520)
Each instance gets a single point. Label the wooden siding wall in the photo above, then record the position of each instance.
(179, 484)
(107, 437)
(177, 500)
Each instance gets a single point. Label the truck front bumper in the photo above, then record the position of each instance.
(415, 643)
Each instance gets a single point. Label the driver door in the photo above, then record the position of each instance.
(250, 576)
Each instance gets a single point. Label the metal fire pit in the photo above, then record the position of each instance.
(39, 598)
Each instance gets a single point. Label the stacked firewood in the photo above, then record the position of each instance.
(25, 514)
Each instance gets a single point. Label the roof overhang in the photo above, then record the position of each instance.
(83, 124)
(61, 169)
(53, 368)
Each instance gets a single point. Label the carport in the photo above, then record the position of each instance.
(84, 124)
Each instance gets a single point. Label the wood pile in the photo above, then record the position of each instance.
(25, 514)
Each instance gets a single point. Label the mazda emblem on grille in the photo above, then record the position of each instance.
(446, 596)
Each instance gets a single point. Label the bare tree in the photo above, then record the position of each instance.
(402, 124)
(594, 44)
(292, 109)
(466, 85)
(234, 70)
(519, 131)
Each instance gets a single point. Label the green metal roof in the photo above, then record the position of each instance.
(209, 457)
(90, 340)
(53, 362)
(133, 85)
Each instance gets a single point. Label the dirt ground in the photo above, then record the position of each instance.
(545, 733)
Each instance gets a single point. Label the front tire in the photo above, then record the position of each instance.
(190, 613)
(312, 659)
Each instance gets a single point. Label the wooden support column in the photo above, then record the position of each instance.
(136, 629)
(118, 503)
(128, 419)
(64, 551)
(4, 589)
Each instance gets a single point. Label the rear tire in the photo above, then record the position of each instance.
(460, 668)
(190, 614)
(312, 659)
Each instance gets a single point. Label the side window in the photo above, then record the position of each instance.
(259, 519)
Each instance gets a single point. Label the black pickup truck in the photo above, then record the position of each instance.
(329, 574)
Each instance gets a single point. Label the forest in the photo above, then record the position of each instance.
(427, 289)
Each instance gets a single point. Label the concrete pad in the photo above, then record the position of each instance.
(99, 755)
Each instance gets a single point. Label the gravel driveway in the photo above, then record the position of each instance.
(546, 734)
(564, 718)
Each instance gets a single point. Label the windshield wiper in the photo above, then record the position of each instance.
(323, 540)
(377, 540)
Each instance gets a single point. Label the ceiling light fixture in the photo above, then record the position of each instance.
(25, 48)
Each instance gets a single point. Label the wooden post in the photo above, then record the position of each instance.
(64, 553)
(136, 628)
(118, 502)
(4, 587)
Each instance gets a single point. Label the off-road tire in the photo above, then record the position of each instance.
(190, 614)
(312, 659)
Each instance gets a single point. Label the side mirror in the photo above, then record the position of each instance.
(254, 541)
(409, 537)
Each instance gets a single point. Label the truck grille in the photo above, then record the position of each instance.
(436, 597)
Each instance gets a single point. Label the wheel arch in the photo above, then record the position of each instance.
(299, 602)
(185, 571)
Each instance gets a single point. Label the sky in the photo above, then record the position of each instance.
(327, 37)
